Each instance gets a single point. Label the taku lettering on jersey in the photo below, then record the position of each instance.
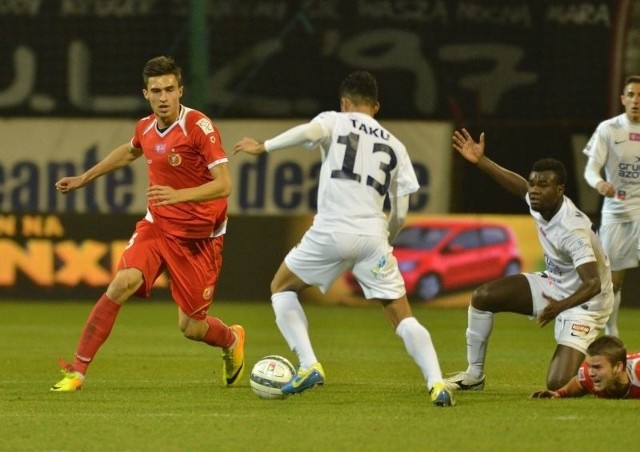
(373, 131)
(160, 148)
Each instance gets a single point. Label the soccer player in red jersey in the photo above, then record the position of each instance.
(183, 229)
(609, 372)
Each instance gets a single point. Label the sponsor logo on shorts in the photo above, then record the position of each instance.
(578, 330)
(378, 269)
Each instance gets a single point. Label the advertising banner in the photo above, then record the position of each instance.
(70, 257)
(36, 153)
(74, 256)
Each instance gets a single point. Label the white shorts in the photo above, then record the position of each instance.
(621, 242)
(321, 257)
(576, 327)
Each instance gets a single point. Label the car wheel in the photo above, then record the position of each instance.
(512, 268)
(429, 287)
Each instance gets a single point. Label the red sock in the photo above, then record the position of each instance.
(96, 331)
(218, 334)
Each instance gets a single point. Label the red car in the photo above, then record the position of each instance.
(442, 255)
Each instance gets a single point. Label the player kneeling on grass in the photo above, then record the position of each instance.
(574, 293)
(608, 373)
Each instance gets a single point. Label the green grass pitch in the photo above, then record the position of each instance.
(151, 389)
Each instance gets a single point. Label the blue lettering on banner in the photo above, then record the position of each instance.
(21, 186)
(287, 186)
(288, 179)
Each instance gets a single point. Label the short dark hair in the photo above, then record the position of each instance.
(161, 65)
(554, 165)
(631, 79)
(610, 347)
(360, 87)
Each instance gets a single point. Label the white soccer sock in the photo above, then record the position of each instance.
(611, 328)
(293, 325)
(417, 341)
(480, 325)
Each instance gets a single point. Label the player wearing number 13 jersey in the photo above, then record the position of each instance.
(362, 159)
(362, 164)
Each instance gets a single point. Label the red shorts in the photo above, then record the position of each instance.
(193, 266)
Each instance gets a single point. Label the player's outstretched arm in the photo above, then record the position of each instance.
(304, 134)
(249, 145)
(467, 147)
(571, 389)
(474, 152)
(118, 158)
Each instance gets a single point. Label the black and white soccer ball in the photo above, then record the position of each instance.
(268, 376)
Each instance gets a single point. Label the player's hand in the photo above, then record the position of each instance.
(67, 184)
(546, 394)
(467, 147)
(249, 145)
(162, 195)
(606, 189)
(550, 311)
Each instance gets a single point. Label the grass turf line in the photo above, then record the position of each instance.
(151, 389)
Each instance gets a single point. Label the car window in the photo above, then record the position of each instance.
(494, 235)
(422, 238)
(466, 240)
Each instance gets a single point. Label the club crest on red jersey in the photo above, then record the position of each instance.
(207, 293)
(174, 159)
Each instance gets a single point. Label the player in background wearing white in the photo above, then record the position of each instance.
(615, 146)
(362, 164)
(609, 372)
(575, 291)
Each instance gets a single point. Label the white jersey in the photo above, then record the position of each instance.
(568, 241)
(362, 163)
(616, 146)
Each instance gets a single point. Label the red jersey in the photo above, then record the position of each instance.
(181, 156)
(633, 371)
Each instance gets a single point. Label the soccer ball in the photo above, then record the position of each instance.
(269, 374)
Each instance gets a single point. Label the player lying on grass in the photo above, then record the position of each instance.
(608, 373)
